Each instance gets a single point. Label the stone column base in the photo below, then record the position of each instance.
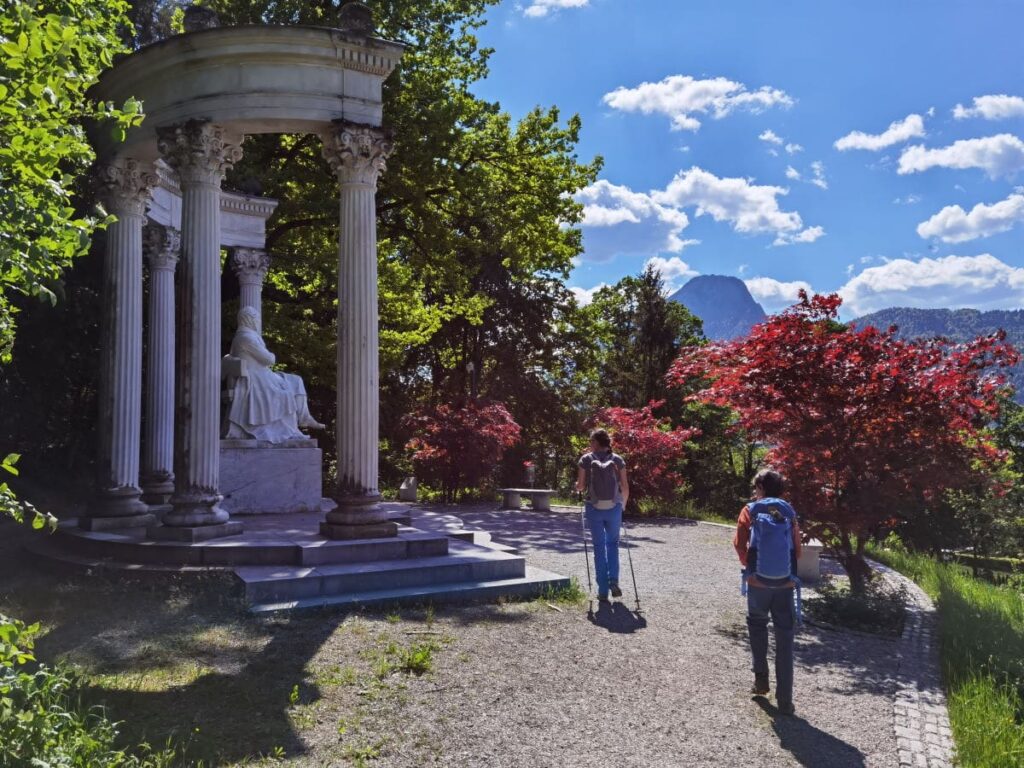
(157, 491)
(367, 531)
(193, 534)
(112, 523)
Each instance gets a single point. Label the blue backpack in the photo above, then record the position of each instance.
(771, 533)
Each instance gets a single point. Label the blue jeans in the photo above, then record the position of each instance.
(778, 603)
(605, 525)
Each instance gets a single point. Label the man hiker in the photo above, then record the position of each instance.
(767, 541)
(602, 474)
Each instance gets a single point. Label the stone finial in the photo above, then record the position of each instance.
(199, 151)
(356, 17)
(125, 185)
(197, 18)
(357, 153)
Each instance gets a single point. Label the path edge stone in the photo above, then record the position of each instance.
(920, 716)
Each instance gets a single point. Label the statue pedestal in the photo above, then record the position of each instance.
(270, 478)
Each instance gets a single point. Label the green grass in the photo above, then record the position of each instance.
(570, 595)
(982, 645)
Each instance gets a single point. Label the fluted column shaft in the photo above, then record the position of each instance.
(357, 155)
(124, 186)
(201, 153)
(251, 266)
(161, 246)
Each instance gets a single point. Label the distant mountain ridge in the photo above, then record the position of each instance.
(723, 304)
(958, 325)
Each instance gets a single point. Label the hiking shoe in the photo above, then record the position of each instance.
(786, 708)
(760, 686)
(616, 591)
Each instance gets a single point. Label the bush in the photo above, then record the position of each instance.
(43, 721)
(879, 609)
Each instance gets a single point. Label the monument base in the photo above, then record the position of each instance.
(367, 531)
(193, 534)
(258, 477)
(113, 523)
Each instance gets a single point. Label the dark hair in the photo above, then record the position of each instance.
(601, 437)
(770, 482)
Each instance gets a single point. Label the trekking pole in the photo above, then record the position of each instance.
(632, 573)
(586, 556)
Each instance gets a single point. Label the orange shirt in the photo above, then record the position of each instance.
(741, 540)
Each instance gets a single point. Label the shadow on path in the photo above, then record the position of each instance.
(617, 618)
(810, 746)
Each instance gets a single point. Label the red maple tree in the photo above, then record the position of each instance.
(653, 450)
(458, 445)
(866, 427)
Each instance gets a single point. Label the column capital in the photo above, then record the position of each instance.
(250, 264)
(125, 185)
(357, 152)
(201, 152)
(161, 246)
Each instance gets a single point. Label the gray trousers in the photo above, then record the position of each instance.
(778, 604)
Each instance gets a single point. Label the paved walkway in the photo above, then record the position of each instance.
(670, 688)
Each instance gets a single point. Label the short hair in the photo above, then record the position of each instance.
(769, 481)
(601, 437)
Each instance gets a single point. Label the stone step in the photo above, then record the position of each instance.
(130, 547)
(534, 583)
(467, 563)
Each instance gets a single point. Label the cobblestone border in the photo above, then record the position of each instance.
(920, 718)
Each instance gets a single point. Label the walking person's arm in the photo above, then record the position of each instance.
(624, 486)
(741, 539)
(581, 480)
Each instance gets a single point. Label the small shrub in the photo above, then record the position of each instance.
(879, 609)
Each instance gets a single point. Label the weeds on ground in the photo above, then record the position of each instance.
(981, 627)
(879, 610)
(573, 594)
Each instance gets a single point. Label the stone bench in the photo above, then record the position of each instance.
(808, 567)
(540, 498)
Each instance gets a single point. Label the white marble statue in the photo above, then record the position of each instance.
(267, 405)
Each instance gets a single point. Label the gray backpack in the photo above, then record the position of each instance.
(604, 478)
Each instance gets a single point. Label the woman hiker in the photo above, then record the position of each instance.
(602, 475)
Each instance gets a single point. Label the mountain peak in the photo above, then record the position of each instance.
(723, 303)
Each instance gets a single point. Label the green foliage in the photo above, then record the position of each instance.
(878, 609)
(21, 511)
(43, 721)
(982, 639)
(52, 52)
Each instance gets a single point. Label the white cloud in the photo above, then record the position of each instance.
(771, 137)
(674, 271)
(980, 282)
(818, 169)
(749, 208)
(954, 225)
(930, 112)
(792, 148)
(1000, 155)
(994, 107)
(910, 127)
(681, 97)
(808, 235)
(775, 295)
(792, 173)
(911, 199)
(539, 8)
(633, 223)
(586, 295)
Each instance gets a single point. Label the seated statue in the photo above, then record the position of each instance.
(266, 405)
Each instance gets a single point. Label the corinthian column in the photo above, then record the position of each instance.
(161, 246)
(357, 153)
(201, 153)
(124, 187)
(251, 265)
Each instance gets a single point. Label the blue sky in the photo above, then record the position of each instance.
(791, 144)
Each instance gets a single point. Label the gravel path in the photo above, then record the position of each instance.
(545, 688)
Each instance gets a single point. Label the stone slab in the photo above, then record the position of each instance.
(265, 479)
(114, 523)
(373, 531)
(194, 534)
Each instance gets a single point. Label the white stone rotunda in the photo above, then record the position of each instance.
(160, 498)
(202, 92)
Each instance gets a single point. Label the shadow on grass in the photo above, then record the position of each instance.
(810, 746)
